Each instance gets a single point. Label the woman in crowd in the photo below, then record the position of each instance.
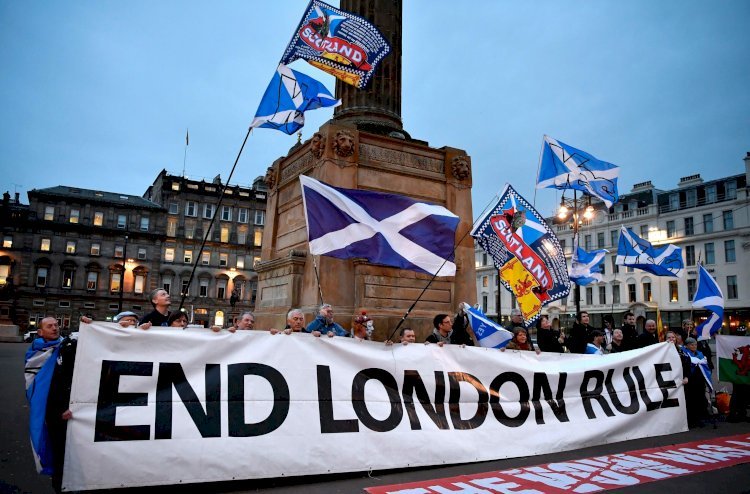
(177, 320)
(521, 341)
(548, 339)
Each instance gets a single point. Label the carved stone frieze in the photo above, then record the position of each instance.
(297, 166)
(368, 152)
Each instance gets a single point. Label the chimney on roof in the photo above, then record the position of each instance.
(217, 179)
(747, 168)
(647, 185)
(17, 196)
(690, 180)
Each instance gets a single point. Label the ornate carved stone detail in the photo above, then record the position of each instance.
(368, 152)
(461, 167)
(296, 167)
(318, 144)
(343, 143)
(270, 177)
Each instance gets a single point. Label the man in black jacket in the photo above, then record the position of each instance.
(629, 333)
(579, 334)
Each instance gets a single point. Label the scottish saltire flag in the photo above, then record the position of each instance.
(489, 334)
(733, 357)
(709, 296)
(526, 252)
(638, 253)
(385, 229)
(338, 42)
(565, 167)
(289, 95)
(699, 360)
(586, 267)
(39, 367)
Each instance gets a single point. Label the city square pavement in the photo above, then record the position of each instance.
(17, 473)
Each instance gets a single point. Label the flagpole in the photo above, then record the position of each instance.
(317, 279)
(184, 158)
(538, 168)
(213, 218)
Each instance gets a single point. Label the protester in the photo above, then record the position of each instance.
(295, 322)
(671, 337)
(595, 346)
(177, 319)
(617, 345)
(649, 336)
(160, 315)
(548, 339)
(245, 321)
(324, 323)
(579, 334)
(359, 326)
(609, 326)
(127, 319)
(521, 341)
(460, 334)
(629, 333)
(442, 330)
(408, 336)
(516, 319)
(703, 345)
(47, 432)
(695, 391)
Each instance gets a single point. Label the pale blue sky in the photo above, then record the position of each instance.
(98, 94)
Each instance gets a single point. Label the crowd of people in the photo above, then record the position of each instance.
(52, 357)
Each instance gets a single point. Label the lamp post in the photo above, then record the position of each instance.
(576, 208)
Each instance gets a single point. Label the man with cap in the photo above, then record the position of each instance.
(128, 318)
(324, 324)
(594, 347)
(160, 315)
(516, 320)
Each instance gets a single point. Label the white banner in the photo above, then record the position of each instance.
(167, 406)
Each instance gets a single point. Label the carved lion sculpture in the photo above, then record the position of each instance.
(318, 144)
(461, 168)
(343, 143)
(270, 177)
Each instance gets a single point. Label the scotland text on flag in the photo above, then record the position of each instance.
(488, 333)
(709, 296)
(633, 251)
(586, 267)
(565, 167)
(385, 229)
(289, 95)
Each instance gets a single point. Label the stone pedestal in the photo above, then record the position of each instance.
(343, 156)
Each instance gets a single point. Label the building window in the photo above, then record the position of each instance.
(119, 251)
(122, 221)
(258, 237)
(731, 189)
(691, 195)
(644, 231)
(260, 217)
(203, 288)
(41, 276)
(691, 289)
(141, 253)
(224, 234)
(98, 218)
(166, 283)
(7, 242)
(615, 294)
(242, 235)
(114, 282)
(226, 213)
(729, 254)
(221, 289)
(45, 245)
(223, 260)
(689, 227)
(4, 274)
(70, 247)
(711, 194)
(708, 223)
(208, 211)
(188, 257)
(589, 295)
(600, 240)
(631, 292)
(256, 260)
(144, 224)
(732, 287)
(139, 282)
(171, 227)
(174, 208)
(49, 213)
(190, 209)
(614, 237)
(670, 229)
(615, 266)
(240, 262)
(587, 242)
(603, 294)
(169, 254)
(690, 255)
(647, 292)
(485, 281)
(673, 293)
(562, 246)
(206, 258)
(175, 186)
(728, 218)
(710, 255)
(184, 289)
(91, 279)
(242, 215)
(674, 201)
(75, 215)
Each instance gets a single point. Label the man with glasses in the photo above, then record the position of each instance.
(443, 327)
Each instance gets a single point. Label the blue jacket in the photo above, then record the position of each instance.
(319, 324)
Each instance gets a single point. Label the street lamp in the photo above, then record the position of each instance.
(576, 208)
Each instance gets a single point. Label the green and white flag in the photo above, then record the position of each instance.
(733, 353)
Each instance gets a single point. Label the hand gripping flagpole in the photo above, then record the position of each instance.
(213, 218)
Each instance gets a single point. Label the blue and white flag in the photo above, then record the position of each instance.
(385, 229)
(565, 167)
(289, 95)
(586, 267)
(709, 296)
(699, 360)
(635, 252)
(488, 333)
